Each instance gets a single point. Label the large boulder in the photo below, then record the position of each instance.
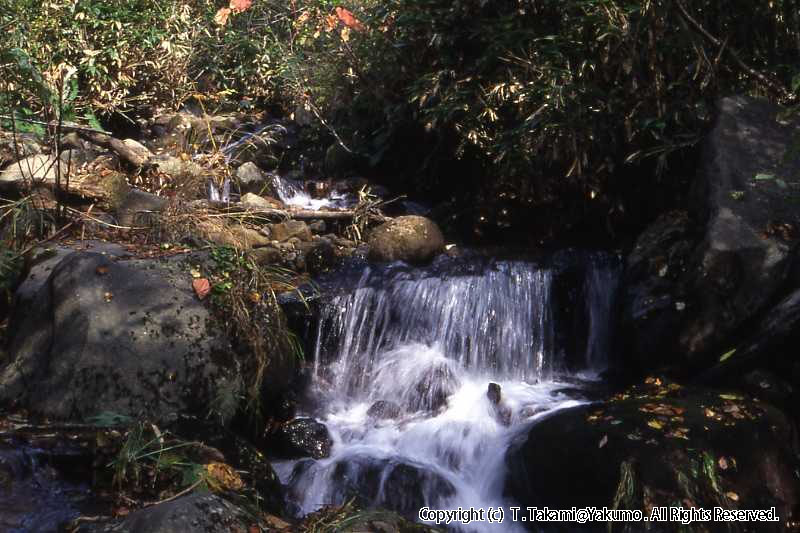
(129, 337)
(412, 239)
(697, 279)
(207, 513)
(660, 445)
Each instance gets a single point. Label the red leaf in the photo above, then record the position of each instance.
(201, 287)
(348, 19)
(240, 5)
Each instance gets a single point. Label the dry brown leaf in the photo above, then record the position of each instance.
(222, 15)
(221, 476)
(732, 496)
(201, 287)
(237, 6)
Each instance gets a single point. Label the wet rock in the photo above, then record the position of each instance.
(300, 437)
(433, 389)
(207, 513)
(412, 239)
(291, 228)
(399, 486)
(128, 337)
(502, 412)
(321, 258)
(657, 444)
(383, 409)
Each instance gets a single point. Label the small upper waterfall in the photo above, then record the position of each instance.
(423, 376)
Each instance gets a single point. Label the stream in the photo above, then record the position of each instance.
(424, 376)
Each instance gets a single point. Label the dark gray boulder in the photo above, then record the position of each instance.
(694, 280)
(656, 444)
(128, 337)
(196, 512)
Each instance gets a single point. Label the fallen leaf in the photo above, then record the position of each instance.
(240, 5)
(108, 296)
(255, 297)
(727, 355)
(348, 19)
(195, 273)
(102, 270)
(201, 287)
(603, 441)
(655, 424)
(709, 413)
(732, 496)
(221, 476)
(222, 15)
(731, 397)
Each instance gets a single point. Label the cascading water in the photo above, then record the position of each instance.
(406, 375)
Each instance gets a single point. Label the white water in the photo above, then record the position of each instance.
(431, 344)
(291, 192)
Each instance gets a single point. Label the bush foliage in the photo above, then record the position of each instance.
(533, 101)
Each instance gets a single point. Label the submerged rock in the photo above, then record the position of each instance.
(656, 445)
(383, 409)
(412, 239)
(396, 485)
(127, 337)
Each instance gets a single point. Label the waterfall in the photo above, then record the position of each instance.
(423, 377)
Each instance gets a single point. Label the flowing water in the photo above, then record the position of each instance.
(291, 192)
(403, 367)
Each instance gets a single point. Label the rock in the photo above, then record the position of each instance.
(321, 258)
(253, 201)
(139, 208)
(656, 289)
(300, 437)
(291, 228)
(739, 241)
(338, 161)
(38, 168)
(127, 337)
(207, 513)
(398, 486)
(318, 226)
(658, 444)
(232, 234)
(501, 410)
(265, 256)
(383, 409)
(411, 239)
(252, 179)
(175, 167)
(13, 149)
(132, 151)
